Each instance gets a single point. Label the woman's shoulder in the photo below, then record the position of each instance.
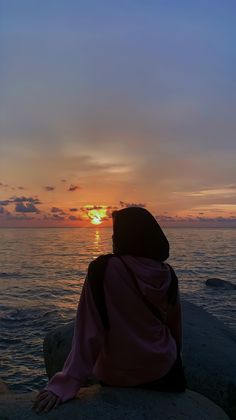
(99, 262)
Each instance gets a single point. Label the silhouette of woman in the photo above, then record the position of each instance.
(128, 328)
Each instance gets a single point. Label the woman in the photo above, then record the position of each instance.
(128, 329)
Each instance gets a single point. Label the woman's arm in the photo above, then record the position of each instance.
(86, 344)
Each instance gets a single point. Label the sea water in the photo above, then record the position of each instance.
(42, 273)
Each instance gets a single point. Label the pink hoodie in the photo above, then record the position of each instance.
(138, 347)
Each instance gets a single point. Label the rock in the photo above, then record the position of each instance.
(106, 403)
(221, 284)
(209, 355)
(3, 388)
(56, 347)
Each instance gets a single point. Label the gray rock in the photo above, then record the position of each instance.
(56, 347)
(221, 284)
(209, 355)
(116, 404)
(3, 388)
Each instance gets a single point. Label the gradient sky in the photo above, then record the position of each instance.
(111, 103)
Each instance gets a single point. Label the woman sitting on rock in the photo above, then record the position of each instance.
(128, 329)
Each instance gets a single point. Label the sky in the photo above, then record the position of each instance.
(106, 104)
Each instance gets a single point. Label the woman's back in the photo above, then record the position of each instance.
(139, 346)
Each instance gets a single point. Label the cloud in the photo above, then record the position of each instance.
(26, 208)
(49, 188)
(195, 220)
(73, 209)
(21, 188)
(73, 187)
(18, 217)
(124, 204)
(32, 200)
(58, 217)
(2, 210)
(73, 218)
(5, 202)
(63, 180)
(57, 210)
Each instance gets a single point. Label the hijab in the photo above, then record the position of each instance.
(136, 232)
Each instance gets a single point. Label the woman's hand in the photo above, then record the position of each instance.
(46, 401)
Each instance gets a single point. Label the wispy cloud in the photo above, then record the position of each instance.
(49, 188)
(57, 210)
(73, 187)
(123, 204)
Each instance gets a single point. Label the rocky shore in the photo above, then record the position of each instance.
(210, 366)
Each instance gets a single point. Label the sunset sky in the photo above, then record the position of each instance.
(106, 104)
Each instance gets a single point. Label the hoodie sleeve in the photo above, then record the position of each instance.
(86, 345)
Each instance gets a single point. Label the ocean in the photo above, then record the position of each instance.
(42, 273)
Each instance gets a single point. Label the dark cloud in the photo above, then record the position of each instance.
(49, 188)
(73, 187)
(63, 180)
(5, 202)
(73, 209)
(123, 204)
(89, 208)
(57, 210)
(21, 188)
(13, 217)
(73, 218)
(58, 217)
(26, 208)
(2, 210)
(110, 210)
(32, 200)
(162, 218)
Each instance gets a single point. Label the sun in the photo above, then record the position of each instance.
(97, 216)
(96, 220)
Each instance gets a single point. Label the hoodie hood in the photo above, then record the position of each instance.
(153, 277)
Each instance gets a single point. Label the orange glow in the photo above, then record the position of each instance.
(97, 216)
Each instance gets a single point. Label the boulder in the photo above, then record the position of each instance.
(221, 284)
(208, 354)
(106, 403)
(3, 388)
(56, 347)
(209, 357)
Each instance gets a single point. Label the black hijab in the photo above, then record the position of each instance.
(136, 232)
